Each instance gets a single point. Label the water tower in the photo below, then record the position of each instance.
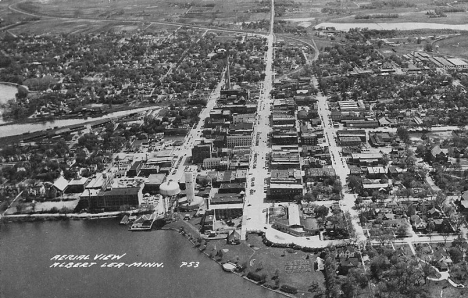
(169, 188)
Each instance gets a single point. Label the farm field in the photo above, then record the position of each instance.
(218, 13)
(345, 11)
(404, 16)
(57, 26)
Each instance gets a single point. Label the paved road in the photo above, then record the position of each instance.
(255, 215)
(185, 151)
(339, 164)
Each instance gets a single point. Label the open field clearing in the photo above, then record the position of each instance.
(54, 26)
(454, 46)
(346, 11)
(414, 16)
(201, 12)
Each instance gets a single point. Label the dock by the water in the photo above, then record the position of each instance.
(125, 220)
(144, 222)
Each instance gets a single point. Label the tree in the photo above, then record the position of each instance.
(430, 226)
(276, 274)
(20, 207)
(402, 231)
(457, 220)
(455, 254)
(309, 197)
(355, 183)
(378, 265)
(459, 271)
(439, 200)
(403, 133)
(428, 47)
(259, 266)
(337, 187)
(411, 210)
(403, 279)
(331, 286)
(314, 287)
(349, 287)
(461, 244)
(359, 276)
(427, 270)
(321, 211)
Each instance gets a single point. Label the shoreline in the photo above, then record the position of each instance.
(189, 238)
(72, 117)
(12, 218)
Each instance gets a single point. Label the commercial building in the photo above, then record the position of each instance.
(290, 176)
(320, 174)
(349, 141)
(113, 199)
(284, 136)
(154, 181)
(214, 163)
(231, 188)
(361, 123)
(366, 158)
(200, 151)
(148, 169)
(226, 198)
(239, 140)
(135, 168)
(360, 133)
(285, 192)
(243, 118)
(286, 160)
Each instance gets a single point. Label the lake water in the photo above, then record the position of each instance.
(26, 250)
(392, 26)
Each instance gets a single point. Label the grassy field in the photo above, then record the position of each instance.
(200, 12)
(346, 11)
(294, 268)
(405, 16)
(283, 260)
(454, 46)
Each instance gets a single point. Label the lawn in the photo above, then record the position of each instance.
(295, 268)
(423, 250)
(445, 290)
(404, 248)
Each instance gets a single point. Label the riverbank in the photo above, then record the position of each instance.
(14, 133)
(107, 113)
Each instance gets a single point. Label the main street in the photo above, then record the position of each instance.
(255, 213)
